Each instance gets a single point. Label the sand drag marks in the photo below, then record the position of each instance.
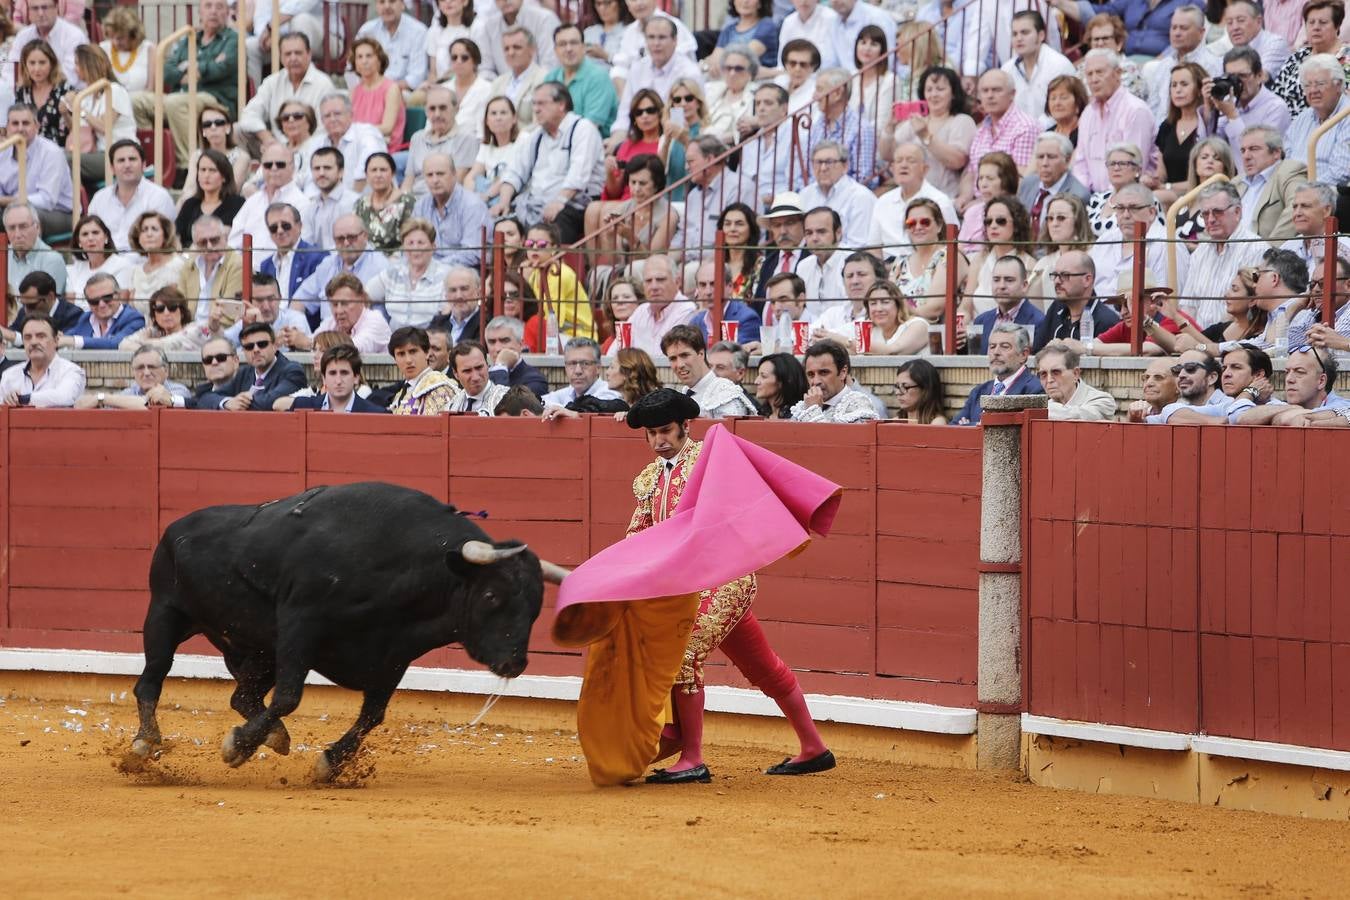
(444, 809)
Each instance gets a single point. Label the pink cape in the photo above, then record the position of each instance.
(743, 508)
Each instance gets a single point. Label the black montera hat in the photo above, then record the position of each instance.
(661, 407)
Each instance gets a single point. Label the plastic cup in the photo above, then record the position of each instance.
(862, 336)
(729, 330)
(801, 336)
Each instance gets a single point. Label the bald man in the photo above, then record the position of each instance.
(460, 216)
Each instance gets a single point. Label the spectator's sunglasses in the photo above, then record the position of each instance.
(1309, 348)
(257, 345)
(1189, 368)
(215, 358)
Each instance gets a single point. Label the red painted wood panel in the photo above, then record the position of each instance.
(818, 601)
(4, 522)
(941, 563)
(111, 527)
(935, 656)
(79, 610)
(1340, 696)
(926, 514)
(245, 443)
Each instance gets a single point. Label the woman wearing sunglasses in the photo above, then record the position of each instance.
(296, 121)
(686, 95)
(646, 136)
(1007, 232)
(555, 283)
(170, 326)
(731, 101)
(922, 274)
(152, 235)
(214, 133)
(995, 176)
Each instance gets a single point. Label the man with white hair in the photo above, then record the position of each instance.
(1313, 203)
(1051, 177)
(833, 187)
(1323, 81)
(1033, 65)
(1005, 127)
(886, 234)
(1134, 203)
(27, 251)
(440, 136)
(665, 308)
(1186, 36)
(356, 140)
(1113, 116)
(1251, 104)
(845, 124)
(1225, 248)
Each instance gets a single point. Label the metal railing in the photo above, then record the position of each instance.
(1320, 130)
(1173, 212)
(104, 87)
(190, 33)
(20, 145)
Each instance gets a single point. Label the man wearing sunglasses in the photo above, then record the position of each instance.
(1226, 247)
(278, 165)
(1309, 382)
(1197, 376)
(37, 294)
(294, 259)
(129, 194)
(267, 376)
(1244, 384)
(108, 321)
(220, 362)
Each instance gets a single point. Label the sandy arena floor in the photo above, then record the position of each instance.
(448, 810)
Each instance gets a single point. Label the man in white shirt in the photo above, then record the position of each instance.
(823, 270)
(1246, 27)
(833, 187)
(299, 79)
(1217, 258)
(830, 398)
(633, 41)
(815, 23)
(1187, 38)
(1133, 204)
(440, 136)
(554, 173)
(665, 308)
(46, 380)
(297, 17)
(131, 193)
(581, 359)
(657, 70)
(278, 164)
(491, 26)
(522, 74)
(356, 140)
(766, 158)
(330, 198)
(886, 235)
(1033, 65)
(717, 397)
(786, 295)
(1070, 396)
(854, 15)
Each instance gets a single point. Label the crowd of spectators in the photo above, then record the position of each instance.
(605, 156)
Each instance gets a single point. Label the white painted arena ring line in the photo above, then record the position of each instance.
(899, 714)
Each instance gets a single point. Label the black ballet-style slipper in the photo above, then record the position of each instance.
(698, 774)
(820, 763)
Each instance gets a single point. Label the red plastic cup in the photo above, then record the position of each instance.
(862, 336)
(729, 330)
(623, 335)
(801, 336)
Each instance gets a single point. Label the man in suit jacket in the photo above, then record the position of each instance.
(1052, 176)
(268, 376)
(1009, 347)
(1008, 284)
(504, 336)
(341, 368)
(293, 260)
(477, 393)
(222, 270)
(37, 293)
(785, 222)
(1267, 184)
(108, 321)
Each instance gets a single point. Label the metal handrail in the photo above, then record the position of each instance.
(274, 35)
(163, 45)
(102, 86)
(241, 56)
(19, 141)
(1320, 130)
(1172, 212)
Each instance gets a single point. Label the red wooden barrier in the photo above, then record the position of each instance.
(883, 608)
(1182, 579)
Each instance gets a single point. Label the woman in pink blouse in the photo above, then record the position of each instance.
(376, 99)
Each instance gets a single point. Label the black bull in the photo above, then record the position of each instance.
(354, 582)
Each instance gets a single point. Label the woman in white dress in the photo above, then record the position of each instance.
(91, 64)
(451, 22)
(94, 252)
(129, 52)
(472, 90)
(152, 235)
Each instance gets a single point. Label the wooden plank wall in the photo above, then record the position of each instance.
(883, 608)
(1183, 579)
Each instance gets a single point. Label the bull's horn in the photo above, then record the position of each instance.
(484, 554)
(553, 572)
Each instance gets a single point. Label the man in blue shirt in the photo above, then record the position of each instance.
(349, 235)
(746, 319)
(1309, 378)
(460, 216)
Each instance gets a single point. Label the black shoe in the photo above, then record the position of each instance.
(664, 776)
(821, 763)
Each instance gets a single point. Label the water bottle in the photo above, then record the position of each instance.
(1085, 328)
(782, 333)
(552, 342)
(1279, 335)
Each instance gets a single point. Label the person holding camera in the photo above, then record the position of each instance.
(1241, 99)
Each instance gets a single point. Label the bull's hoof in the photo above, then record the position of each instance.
(279, 739)
(324, 770)
(234, 758)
